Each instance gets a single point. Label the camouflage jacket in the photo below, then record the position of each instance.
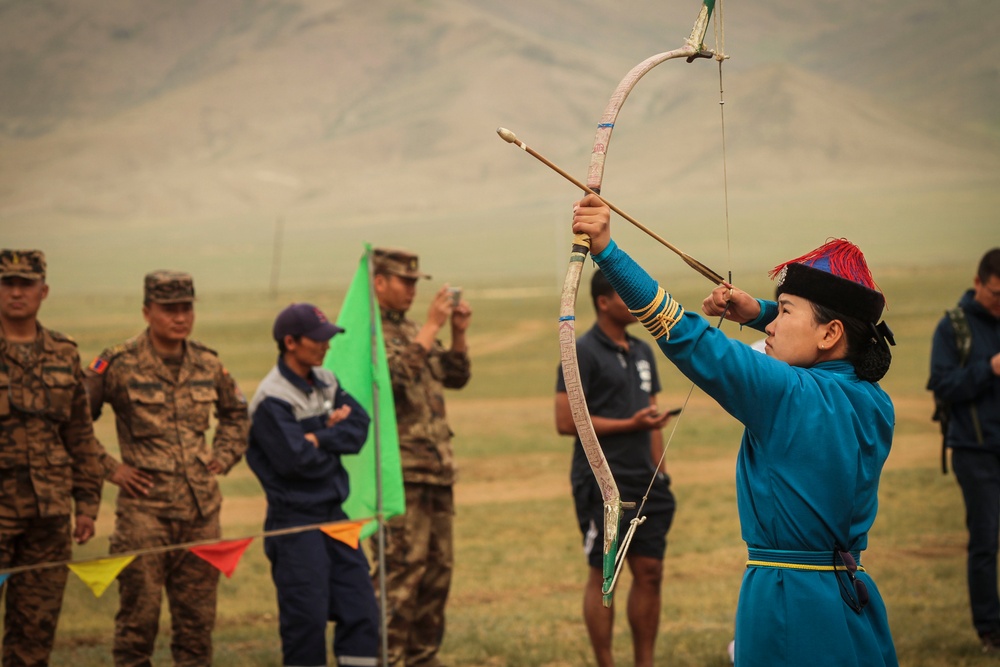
(419, 379)
(49, 456)
(161, 423)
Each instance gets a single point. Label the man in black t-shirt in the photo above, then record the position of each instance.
(618, 374)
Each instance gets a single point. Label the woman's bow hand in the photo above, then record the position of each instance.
(591, 216)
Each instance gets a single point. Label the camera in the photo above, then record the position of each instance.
(456, 296)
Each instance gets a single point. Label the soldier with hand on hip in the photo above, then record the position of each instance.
(164, 387)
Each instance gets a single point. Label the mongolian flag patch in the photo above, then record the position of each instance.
(98, 365)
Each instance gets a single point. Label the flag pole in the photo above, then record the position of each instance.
(375, 312)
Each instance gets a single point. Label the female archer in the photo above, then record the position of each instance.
(818, 429)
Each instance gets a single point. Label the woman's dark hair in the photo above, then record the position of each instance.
(866, 349)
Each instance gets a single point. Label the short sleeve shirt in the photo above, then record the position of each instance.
(617, 382)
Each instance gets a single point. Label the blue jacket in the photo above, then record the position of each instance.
(297, 476)
(972, 384)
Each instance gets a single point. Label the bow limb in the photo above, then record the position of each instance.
(581, 416)
(693, 48)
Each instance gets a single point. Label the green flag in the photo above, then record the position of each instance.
(357, 357)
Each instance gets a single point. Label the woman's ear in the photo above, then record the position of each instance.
(832, 335)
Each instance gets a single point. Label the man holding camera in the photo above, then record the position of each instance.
(418, 548)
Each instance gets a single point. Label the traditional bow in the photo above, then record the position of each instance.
(693, 48)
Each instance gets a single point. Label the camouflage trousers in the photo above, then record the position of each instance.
(418, 564)
(190, 583)
(34, 598)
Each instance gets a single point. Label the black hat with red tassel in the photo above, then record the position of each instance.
(836, 276)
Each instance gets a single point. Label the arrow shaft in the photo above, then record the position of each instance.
(690, 261)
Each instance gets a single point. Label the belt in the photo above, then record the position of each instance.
(798, 560)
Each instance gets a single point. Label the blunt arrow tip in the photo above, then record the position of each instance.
(507, 135)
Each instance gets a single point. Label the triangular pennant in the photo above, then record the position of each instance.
(223, 555)
(348, 532)
(98, 574)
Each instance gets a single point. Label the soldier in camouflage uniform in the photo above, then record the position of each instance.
(418, 550)
(163, 388)
(49, 459)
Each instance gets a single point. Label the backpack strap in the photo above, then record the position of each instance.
(963, 335)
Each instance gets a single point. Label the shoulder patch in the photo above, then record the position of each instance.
(103, 361)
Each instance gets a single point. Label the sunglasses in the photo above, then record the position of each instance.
(857, 598)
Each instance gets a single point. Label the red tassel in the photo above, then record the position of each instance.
(845, 258)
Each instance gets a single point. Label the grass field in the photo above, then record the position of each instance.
(519, 573)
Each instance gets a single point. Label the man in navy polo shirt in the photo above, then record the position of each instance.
(618, 374)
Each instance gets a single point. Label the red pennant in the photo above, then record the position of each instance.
(225, 556)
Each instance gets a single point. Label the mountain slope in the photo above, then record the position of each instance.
(367, 120)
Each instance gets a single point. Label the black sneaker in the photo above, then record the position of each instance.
(991, 641)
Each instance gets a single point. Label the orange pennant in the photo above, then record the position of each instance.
(348, 532)
(98, 574)
(223, 555)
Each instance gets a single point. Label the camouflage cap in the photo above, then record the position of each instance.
(398, 263)
(28, 264)
(169, 287)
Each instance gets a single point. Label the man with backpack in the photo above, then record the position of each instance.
(965, 379)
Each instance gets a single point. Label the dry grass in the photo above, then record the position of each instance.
(519, 575)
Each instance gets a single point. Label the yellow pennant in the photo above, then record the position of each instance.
(348, 532)
(98, 574)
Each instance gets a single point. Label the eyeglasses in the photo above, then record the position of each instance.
(857, 599)
(986, 286)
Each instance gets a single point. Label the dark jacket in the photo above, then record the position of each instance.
(973, 384)
(297, 476)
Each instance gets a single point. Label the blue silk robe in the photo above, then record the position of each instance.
(807, 478)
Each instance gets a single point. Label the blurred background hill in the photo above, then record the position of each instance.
(137, 134)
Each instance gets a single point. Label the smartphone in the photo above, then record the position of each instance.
(675, 412)
(456, 296)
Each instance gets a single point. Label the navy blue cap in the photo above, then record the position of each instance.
(304, 319)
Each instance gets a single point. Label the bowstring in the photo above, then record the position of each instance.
(720, 57)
